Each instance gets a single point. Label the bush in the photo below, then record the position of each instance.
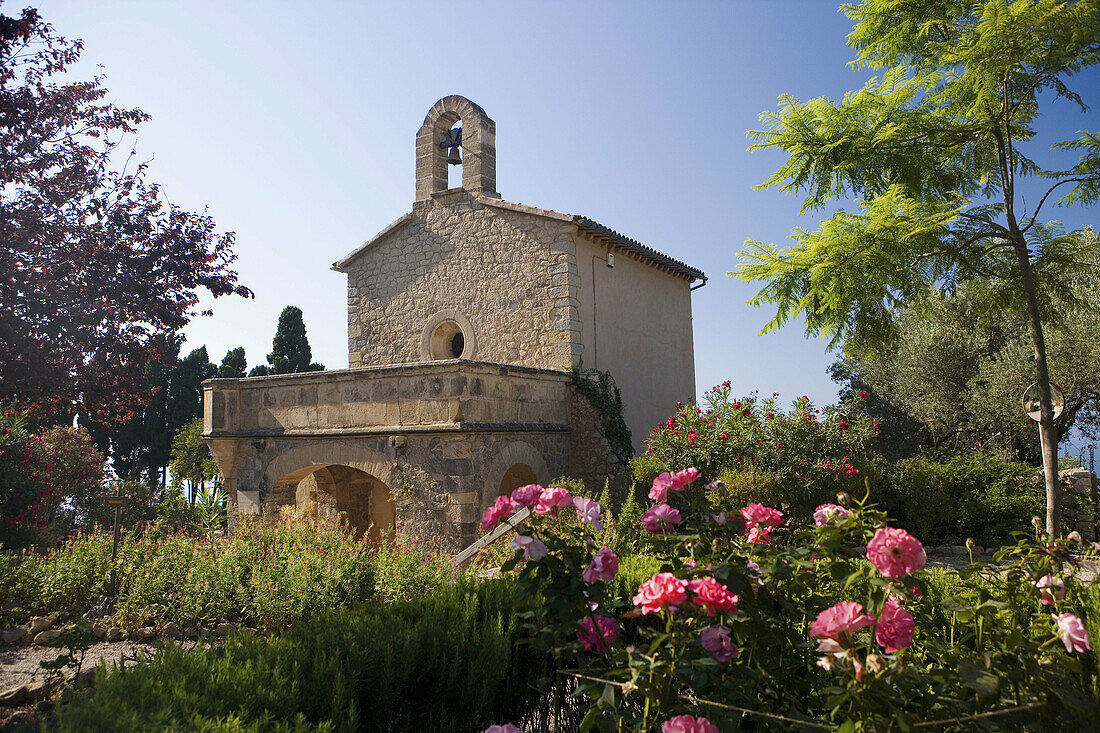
(961, 496)
(810, 454)
(47, 481)
(274, 574)
(757, 621)
(446, 662)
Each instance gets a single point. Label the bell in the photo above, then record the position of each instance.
(453, 156)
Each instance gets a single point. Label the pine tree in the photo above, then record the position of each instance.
(290, 352)
(234, 364)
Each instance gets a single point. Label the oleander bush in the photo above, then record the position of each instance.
(798, 458)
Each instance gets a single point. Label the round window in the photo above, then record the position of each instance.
(448, 341)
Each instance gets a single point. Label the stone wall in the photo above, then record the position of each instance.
(433, 440)
(1079, 502)
(495, 267)
(590, 456)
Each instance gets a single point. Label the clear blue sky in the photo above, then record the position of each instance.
(294, 123)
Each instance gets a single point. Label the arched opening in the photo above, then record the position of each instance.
(348, 495)
(447, 341)
(454, 152)
(520, 474)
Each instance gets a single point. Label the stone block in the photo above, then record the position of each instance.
(13, 636)
(39, 624)
(47, 636)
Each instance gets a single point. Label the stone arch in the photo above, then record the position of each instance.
(335, 478)
(479, 157)
(513, 454)
(340, 493)
(429, 350)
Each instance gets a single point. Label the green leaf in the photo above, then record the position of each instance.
(974, 675)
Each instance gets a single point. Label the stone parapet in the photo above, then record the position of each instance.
(441, 396)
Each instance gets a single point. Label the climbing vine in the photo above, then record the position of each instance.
(599, 389)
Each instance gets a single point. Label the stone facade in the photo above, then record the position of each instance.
(463, 316)
(451, 256)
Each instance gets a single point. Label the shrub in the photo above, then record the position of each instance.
(811, 454)
(46, 479)
(274, 574)
(757, 621)
(446, 662)
(960, 496)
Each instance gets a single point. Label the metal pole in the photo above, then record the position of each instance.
(114, 554)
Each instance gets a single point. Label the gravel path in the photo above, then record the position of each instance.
(20, 664)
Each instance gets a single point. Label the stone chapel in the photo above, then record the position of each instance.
(464, 317)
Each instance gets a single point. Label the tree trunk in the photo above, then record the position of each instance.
(1047, 435)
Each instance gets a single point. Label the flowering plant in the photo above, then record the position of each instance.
(805, 455)
(830, 622)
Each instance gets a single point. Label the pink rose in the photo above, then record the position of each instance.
(760, 535)
(843, 618)
(506, 728)
(712, 595)
(661, 485)
(502, 508)
(1072, 632)
(663, 589)
(598, 635)
(716, 640)
(533, 549)
(895, 627)
(527, 495)
(551, 499)
(588, 511)
(827, 512)
(683, 477)
(603, 566)
(895, 552)
(762, 515)
(660, 519)
(688, 724)
(1050, 589)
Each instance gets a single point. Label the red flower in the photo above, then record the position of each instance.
(863, 394)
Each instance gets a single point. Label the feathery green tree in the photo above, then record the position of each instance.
(934, 153)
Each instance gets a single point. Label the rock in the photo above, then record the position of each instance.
(13, 696)
(100, 632)
(959, 550)
(37, 689)
(38, 623)
(248, 630)
(225, 629)
(86, 676)
(146, 632)
(114, 634)
(170, 629)
(45, 637)
(13, 636)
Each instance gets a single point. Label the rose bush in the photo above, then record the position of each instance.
(754, 619)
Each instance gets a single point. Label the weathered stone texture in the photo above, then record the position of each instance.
(1078, 502)
(490, 264)
(590, 456)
